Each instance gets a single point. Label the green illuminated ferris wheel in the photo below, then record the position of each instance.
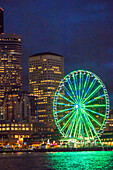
(81, 106)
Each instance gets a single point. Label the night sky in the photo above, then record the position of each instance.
(81, 31)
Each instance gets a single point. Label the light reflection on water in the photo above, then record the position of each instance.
(57, 161)
(82, 160)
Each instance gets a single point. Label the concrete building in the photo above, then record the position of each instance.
(46, 70)
(10, 63)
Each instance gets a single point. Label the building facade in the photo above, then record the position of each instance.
(10, 63)
(19, 106)
(1, 20)
(46, 70)
(14, 130)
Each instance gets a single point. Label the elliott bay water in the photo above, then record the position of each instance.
(57, 161)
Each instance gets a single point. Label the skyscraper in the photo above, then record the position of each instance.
(10, 63)
(45, 73)
(1, 20)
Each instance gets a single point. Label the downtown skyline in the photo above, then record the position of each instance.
(80, 31)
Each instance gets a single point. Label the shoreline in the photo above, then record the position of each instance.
(59, 150)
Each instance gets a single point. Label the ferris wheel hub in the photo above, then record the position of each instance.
(76, 106)
(79, 105)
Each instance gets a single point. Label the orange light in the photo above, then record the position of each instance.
(1, 9)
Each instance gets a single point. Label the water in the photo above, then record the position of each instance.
(57, 161)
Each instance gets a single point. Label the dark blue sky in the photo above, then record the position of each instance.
(81, 31)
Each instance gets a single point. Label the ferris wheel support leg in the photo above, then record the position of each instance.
(100, 140)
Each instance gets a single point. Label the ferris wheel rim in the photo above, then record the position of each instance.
(75, 105)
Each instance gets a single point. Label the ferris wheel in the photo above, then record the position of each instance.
(81, 106)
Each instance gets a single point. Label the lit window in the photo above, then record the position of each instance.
(44, 59)
(3, 129)
(16, 136)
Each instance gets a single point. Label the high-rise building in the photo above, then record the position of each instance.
(10, 63)
(1, 20)
(45, 73)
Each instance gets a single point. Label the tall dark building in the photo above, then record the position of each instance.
(1, 20)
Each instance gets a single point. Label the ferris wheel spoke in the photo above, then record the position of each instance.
(90, 88)
(88, 127)
(91, 127)
(69, 94)
(63, 127)
(73, 124)
(66, 98)
(64, 110)
(69, 128)
(76, 125)
(71, 87)
(79, 129)
(75, 86)
(79, 84)
(93, 93)
(92, 111)
(64, 104)
(96, 98)
(85, 85)
(85, 126)
(63, 118)
(95, 120)
(82, 85)
(96, 105)
(83, 132)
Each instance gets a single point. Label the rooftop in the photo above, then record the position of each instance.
(45, 53)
